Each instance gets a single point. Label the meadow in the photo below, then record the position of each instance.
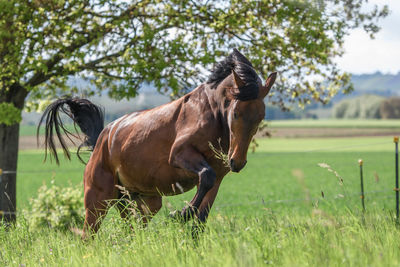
(282, 209)
(337, 123)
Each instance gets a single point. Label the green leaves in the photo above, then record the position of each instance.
(56, 207)
(120, 45)
(9, 114)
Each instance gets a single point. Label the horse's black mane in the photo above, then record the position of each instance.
(243, 68)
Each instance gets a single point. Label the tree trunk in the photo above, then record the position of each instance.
(9, 136)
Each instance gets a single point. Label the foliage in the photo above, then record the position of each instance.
(118, 45)
(56, 207)
(390, 108)
(9, 114)
(361, 107)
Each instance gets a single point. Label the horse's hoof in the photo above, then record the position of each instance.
(197, 230)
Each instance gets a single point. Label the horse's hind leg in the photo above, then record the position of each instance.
(148, 206)
(145, 207)
(99, 191)
(125, 204)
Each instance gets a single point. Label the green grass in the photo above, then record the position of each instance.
(31, 130)
(33, 172)
(338, 144)
(270, 213)
(335, 123)
(291, 240)
(271, 165)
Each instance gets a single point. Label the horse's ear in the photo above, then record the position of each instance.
(268, 84)
(237, 79)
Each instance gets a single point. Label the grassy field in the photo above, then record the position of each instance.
(273, 212)
(31, 130)
(334, 123)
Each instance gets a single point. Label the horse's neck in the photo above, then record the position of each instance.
(216, 100)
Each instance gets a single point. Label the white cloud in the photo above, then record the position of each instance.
(365, 55)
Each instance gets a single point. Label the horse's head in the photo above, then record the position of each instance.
(244, 116)
(241, 95)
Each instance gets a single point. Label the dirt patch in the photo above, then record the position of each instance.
(30, 142)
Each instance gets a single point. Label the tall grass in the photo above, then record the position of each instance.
(319, 239)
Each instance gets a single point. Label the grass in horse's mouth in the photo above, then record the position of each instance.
(219, 153)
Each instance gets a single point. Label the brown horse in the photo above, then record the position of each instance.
(165, 150)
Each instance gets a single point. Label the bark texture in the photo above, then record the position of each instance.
(9, 137)
(8, 164)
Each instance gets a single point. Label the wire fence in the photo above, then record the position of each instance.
(264, 202)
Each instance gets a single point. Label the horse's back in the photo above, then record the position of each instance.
(149, 129)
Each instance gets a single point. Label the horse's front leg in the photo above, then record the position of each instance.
(204, 208)
(208, 201)
(191, 160)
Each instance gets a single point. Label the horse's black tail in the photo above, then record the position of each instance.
(85, 114)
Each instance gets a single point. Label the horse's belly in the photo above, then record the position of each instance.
(156, 180)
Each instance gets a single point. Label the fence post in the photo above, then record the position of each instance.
(396, 141)
(362, 196)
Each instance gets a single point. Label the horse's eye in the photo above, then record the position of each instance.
(235, 115)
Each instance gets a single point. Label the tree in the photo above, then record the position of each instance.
(117, 45)
(361, 107)
(390, 108)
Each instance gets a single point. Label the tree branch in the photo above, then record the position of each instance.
(40, 77)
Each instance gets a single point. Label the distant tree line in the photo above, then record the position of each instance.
(276, 113)
(368, 107)
(390, 108)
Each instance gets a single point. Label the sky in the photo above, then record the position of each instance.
(366, 55)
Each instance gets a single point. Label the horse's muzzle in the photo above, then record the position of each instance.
(235, 167)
